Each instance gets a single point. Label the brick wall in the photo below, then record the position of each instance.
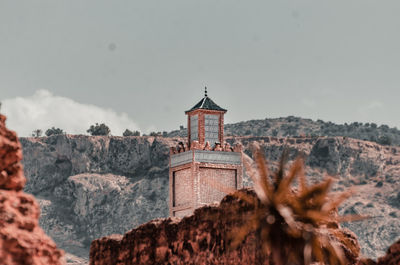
(196, 184)
(183, 213)
(182, 181)
(211, 179)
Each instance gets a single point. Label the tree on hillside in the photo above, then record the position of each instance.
(384, 140)
(155, 133)
(37, 133)
(130, 133)
(99, 129)
(384, 127)
(54, 131)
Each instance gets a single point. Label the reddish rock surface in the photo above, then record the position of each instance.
(392, 256)
(11, 173)
(366, 262)
(22, 241)
(198, 239)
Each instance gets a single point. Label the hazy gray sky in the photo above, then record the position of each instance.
(143, 63)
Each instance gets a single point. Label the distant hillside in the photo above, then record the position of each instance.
(295, 126)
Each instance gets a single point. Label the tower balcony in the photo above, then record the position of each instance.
(205, 156)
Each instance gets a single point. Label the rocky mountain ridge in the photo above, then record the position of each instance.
(89, 187)
(295, 126)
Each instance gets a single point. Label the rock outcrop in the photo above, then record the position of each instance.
(392, 257)
(22, 241)
(90, 187)
(202, 238)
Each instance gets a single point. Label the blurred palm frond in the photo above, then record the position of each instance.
(291, 223)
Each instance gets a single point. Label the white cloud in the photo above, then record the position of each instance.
(43, 110)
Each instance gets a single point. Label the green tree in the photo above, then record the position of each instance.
(384, 127)
(37, 133)
(54, 131)
(99, 129)
(384, 140)
(130, 133)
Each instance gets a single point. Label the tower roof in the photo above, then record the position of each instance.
(206, 103)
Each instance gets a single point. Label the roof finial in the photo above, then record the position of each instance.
(205, 91)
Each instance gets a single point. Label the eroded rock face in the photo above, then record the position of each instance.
(58, 157)
(11, 174)
(108, 203)
(198, 239)
(22, 241)
(89, 187)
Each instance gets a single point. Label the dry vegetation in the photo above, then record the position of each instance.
(292, 223)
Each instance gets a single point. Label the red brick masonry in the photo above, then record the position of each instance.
(194, 184)
(201, 114)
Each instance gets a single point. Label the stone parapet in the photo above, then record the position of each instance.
(195, 145)
(205, 156)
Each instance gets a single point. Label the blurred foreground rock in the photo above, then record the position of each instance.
(392, 257)
(202, 238)
(22, 241)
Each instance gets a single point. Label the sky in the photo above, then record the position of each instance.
(141, 64)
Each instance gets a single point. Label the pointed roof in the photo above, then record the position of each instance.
(206, 103)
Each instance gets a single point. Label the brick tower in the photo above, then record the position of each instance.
(204, 162)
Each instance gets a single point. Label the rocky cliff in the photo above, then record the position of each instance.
(90, 187)
(22, 241)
